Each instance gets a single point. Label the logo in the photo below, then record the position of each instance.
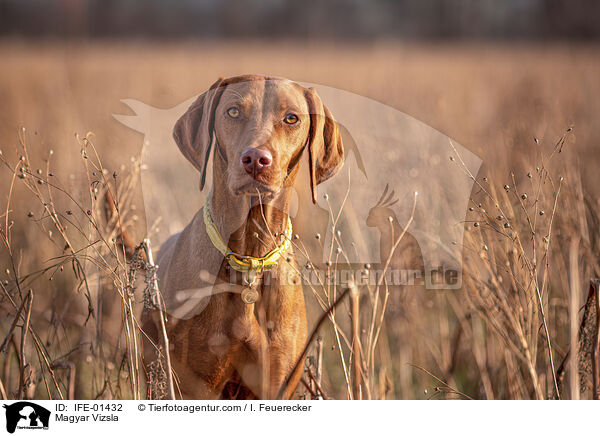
(26, 415)
(396, 208)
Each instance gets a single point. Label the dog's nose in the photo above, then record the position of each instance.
(255, 160)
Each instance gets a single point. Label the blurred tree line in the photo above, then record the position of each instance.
(332, 19)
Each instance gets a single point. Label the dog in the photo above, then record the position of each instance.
(250, 333)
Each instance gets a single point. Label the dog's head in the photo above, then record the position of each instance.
(259, 127)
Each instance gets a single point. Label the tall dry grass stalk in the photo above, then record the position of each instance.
(516, 259)
(100, 345)
(574, 299)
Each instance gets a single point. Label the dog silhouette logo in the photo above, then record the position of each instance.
(425, 176)
(26, 415)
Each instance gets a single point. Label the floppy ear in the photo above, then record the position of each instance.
(325, 149)
(193, 132)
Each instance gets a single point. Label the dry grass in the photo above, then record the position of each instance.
(69, 300)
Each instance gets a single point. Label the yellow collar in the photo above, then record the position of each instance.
(240, 262)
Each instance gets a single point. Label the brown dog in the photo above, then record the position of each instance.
(228, 346)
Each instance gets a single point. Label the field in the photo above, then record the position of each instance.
(529, 111)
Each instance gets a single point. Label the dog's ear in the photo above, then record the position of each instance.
(325, 149)
(193, 132)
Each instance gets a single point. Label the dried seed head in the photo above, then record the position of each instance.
(255, 234)
(338, 250)
(390, 219)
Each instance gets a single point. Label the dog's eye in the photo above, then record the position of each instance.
(233, 112)
(290, 119)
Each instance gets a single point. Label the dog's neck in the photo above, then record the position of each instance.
(248, 224)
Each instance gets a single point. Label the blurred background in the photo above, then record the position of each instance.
(507, 80)
(355, 20)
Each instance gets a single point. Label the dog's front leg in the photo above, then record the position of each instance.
(254, 366)
(272, 350)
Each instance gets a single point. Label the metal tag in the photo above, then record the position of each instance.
(249, 295)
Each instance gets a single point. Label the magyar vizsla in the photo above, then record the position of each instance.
(245, 338)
